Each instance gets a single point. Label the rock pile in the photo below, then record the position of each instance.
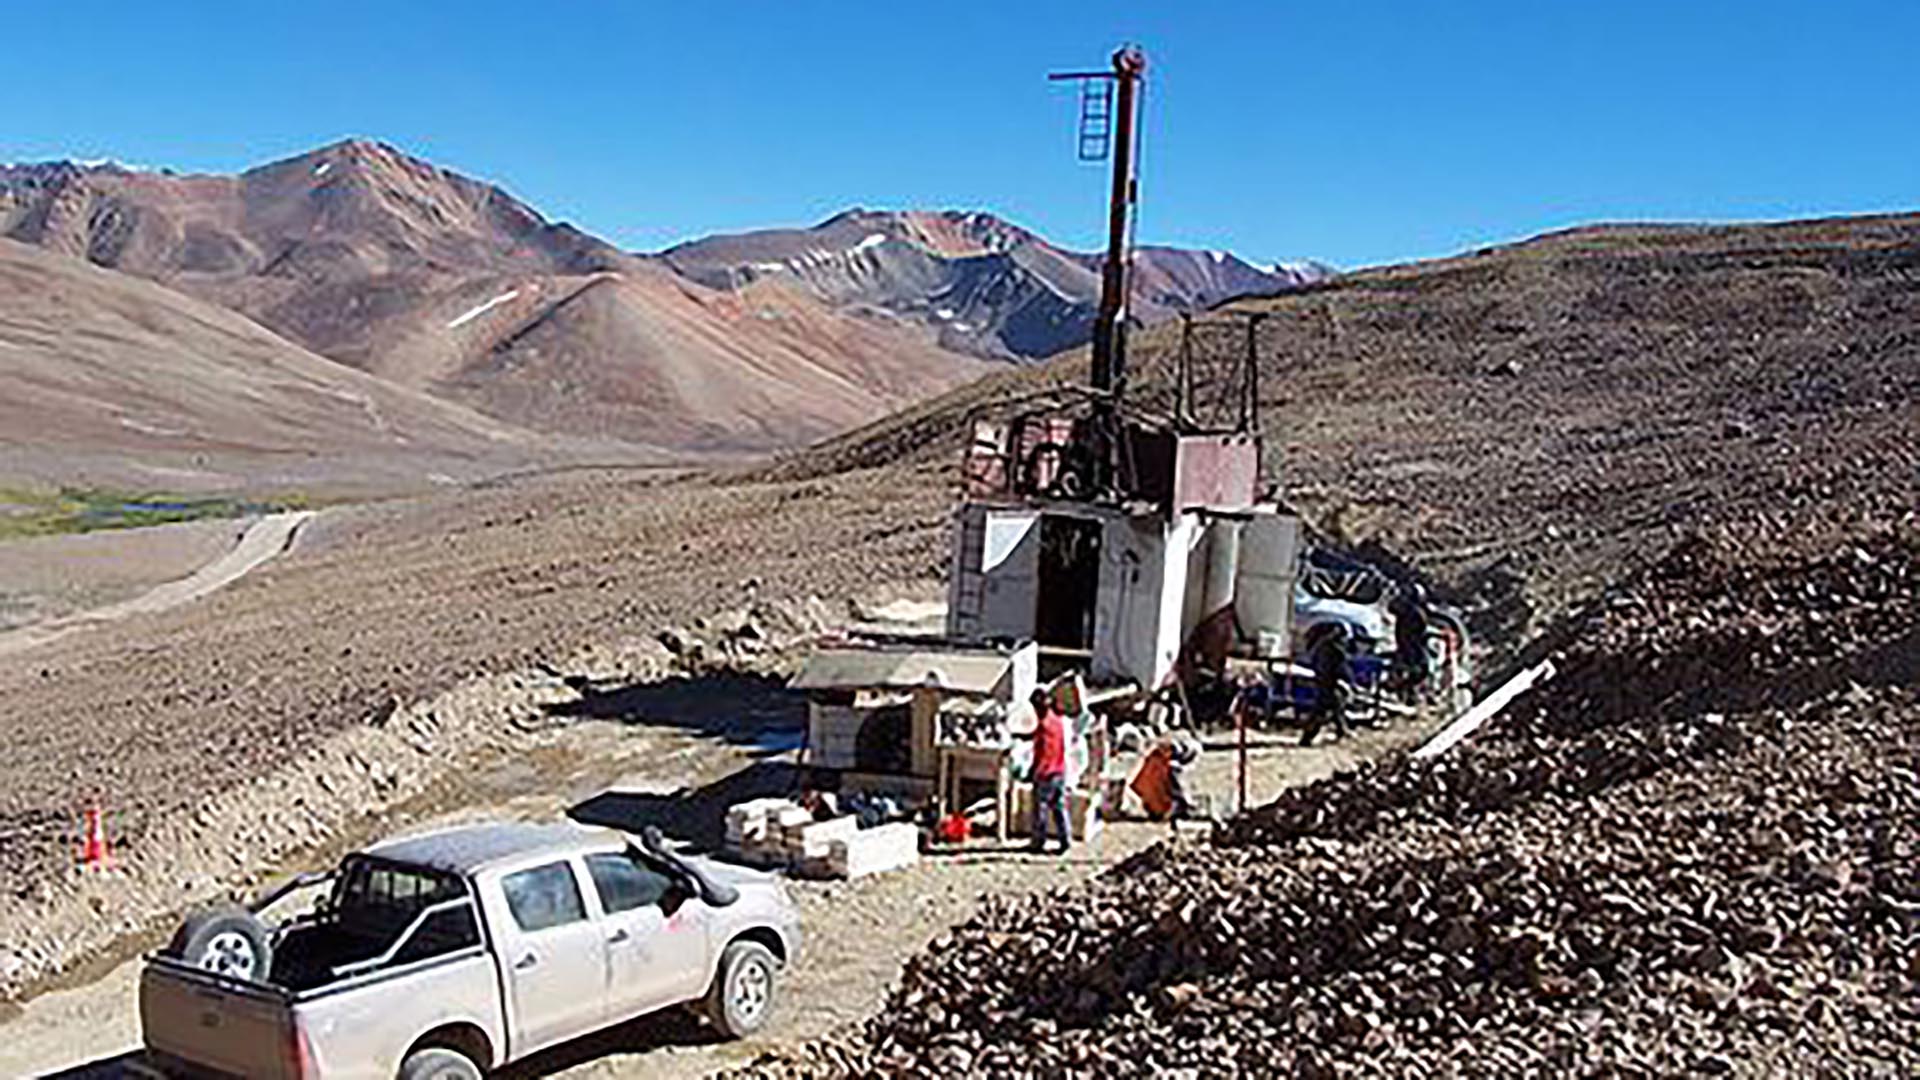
(1694, 851)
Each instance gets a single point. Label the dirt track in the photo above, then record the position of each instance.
(48, 577)
(262, 540)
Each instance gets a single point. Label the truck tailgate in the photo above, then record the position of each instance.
(215, 1023)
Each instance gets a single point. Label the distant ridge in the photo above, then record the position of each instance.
(980, 284)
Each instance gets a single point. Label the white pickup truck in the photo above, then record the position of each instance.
(452, 953)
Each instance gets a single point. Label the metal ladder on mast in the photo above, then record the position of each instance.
(1096, 119)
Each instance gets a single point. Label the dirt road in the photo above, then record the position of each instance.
(264, 539)
(47, 577)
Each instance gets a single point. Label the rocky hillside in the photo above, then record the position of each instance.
(979, 284)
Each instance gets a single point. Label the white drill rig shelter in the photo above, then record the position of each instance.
(1135, 589)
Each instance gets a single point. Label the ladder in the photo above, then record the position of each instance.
(1096, 119)
(967, 596)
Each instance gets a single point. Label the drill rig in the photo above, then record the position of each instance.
(1121, 539)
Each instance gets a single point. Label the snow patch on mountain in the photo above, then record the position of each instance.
(471, 314)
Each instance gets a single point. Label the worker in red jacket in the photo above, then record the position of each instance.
(1049, 737)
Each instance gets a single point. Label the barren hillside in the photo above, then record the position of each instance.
(110, 381)
(761, 368)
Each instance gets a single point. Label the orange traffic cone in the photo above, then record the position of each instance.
(93, 849)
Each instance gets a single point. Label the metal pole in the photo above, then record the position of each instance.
(1240, 715)
(1183, 407)
(1109, 340)
(1250, 381)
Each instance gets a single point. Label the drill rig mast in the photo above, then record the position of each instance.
(1109, 128)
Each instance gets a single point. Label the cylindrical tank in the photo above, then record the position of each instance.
(1263, 594)
(1223, 566)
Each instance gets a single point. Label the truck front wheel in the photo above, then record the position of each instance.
(437, 1063)
(743, 990)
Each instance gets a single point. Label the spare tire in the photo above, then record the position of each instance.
(228, 940)
(438, 1063)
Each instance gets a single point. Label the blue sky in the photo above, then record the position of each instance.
(1357, 133)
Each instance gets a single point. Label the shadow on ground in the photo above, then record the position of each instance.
(669, 1027)
(698, 814)
(744, 708)
(111, 1068)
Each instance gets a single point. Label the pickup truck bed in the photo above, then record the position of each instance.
(265, 1032)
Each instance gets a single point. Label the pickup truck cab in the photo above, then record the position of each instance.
(448, 954)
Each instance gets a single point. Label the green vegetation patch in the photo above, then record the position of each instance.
(80, 510)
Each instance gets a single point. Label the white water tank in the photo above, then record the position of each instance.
(1263, 590)
(1223, 566)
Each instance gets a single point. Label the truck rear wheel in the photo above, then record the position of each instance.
(229, 941)
(743, 992)
(438, 1063)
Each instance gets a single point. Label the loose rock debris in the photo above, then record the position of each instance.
(1693, 852)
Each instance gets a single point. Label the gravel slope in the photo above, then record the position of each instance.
(1692, 852)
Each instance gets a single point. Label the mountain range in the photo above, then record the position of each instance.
(453, 292)
(980, 285)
